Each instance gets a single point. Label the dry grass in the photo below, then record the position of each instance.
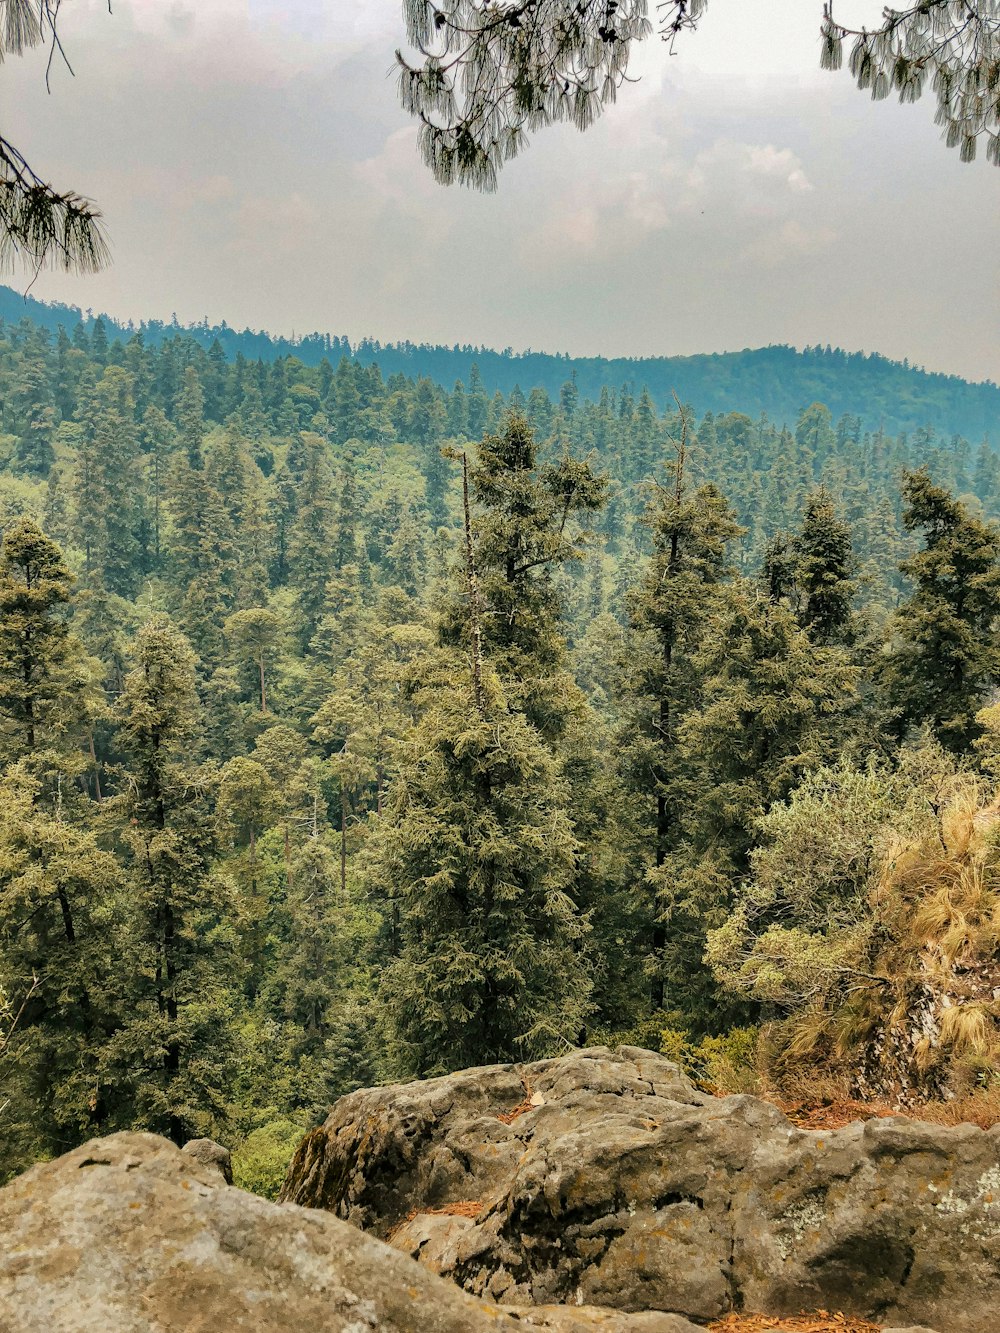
(965, 1028)
(463, 1208)
(980, 1108)
(945, 888)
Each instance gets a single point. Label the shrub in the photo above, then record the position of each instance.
(727, 1063)
(261, 1160)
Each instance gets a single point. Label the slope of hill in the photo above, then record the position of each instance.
(779, 380)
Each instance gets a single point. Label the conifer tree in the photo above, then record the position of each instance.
(254, 635)
(774, 708)
(44, 676)
(478, 404)
(34, 406)
(242, 542)
(344, 401)
(56, 516)
(200, 548)
(814, 570)
(54, 881)
(945, 652)
(669, 612)
(115, 494)
(311, 543)
(476, 858)
(189, 416)
(346, 543)
(158, 443)
(526, 526)
(457, 422)
(58, 894)
(825, 571)
(172, 1056)
(248, 804)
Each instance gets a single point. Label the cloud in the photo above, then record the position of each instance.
(254, 165)
(668, 202)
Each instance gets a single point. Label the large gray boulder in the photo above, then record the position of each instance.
(130, 1235)
(619, 1184)
(210, 1153)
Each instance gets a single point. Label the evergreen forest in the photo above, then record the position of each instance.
(354, 728)
(779, 380)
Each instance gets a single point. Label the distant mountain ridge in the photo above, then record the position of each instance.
(777, 380)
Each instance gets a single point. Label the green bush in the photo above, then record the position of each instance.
(727, 1063)
(261, 1160)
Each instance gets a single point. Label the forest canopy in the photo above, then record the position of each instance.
(353, 728)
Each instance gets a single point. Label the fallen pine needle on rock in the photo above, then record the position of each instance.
(822, 1321)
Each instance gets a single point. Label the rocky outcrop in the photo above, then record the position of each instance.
(210, 1153)
(130, 1235)
(590, 1319)
(607, 1178)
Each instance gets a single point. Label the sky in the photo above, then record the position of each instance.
(254, 166)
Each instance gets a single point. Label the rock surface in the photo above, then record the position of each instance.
(589, 1319)
(130, 1235)
(210, 1153)
(618, 1184)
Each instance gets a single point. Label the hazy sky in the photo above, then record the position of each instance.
(254, 166)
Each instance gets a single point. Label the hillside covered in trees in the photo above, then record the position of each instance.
(352, 727)
(777, 381)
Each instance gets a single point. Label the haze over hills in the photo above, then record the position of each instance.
(779, 381)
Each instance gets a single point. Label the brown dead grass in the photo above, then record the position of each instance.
(979, 1108)
(982, 1109)
(833, 1108)
(823, 1321)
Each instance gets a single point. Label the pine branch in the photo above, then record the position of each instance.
(40, 225)
(490, 73)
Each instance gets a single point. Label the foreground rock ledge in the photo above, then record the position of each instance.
(617, 1183)
(129, 1235)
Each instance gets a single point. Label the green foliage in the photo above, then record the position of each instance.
(43, 675)
(874, 894)
(477, 861)
(303, 787)
(58, 894)
(261, 1160)
(181, 954)
(946, 654)
(726, 1063)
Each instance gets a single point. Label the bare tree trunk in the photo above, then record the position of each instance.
(343, 842)
(472, 586)
(97, 770)
(666, 722)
